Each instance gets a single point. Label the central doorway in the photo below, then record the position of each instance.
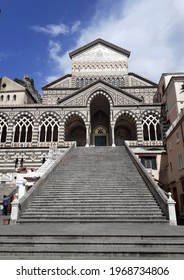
(100, 136)
(100, 121)
(100, 141)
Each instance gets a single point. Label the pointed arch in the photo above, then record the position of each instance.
(75, 128)
(3, 128)
(49, 127)
(125, 127)
(151, 126)
(23, 128)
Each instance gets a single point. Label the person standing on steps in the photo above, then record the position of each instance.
(5, 204)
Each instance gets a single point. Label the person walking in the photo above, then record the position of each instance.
(5, 205)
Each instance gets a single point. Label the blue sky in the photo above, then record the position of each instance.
(36, 36)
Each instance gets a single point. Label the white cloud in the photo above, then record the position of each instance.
(151, 30)
(52, 29)
(75, 26)
(61, 61)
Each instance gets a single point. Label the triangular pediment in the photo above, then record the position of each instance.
(118, 97)
(99, 43)
(98, 51)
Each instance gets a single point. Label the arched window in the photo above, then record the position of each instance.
(23, 130)
(2, 97)
(49, 129)
(14, 97)
(151, 128)
(77, 82)
(8, 97)
(3, 130)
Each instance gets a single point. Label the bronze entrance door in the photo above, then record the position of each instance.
(100, 140)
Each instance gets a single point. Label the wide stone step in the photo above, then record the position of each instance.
(109, 212)
(67, 220)
(102, 207)
(92, 203)
(81, 216)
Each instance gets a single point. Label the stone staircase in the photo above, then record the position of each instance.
(95, 205)
(96, 184)
(91, 241)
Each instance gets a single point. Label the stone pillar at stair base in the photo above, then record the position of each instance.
(14, 211)
(172, 211)
(21, 188)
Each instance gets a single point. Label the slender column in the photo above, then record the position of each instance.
(113, 134)
(35, 134)
(61, 134)
(87, 135)
(139, 132)
(10, 134)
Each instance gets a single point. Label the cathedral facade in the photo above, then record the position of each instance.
(100, 103)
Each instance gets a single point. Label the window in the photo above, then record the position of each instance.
(151, 128)
(2, 97)
(149, 162)
(23, 130)
(8, 97)
(49, 129)
(14, 97)
(180, 161)
(3, 130)
(177, 137)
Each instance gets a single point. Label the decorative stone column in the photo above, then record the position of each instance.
(10, 134)
(35, 135)
(139, 132)
(61, 133)
(113, 134)
(87, 134)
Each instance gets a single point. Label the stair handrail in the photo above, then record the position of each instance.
(22, 204)
(166, 203)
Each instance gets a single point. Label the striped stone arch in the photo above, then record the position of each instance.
(74, 113)
(125, 127)
(22, 114)
(130, 114)
(5, 116)
(149, 112)
(151, 126)
(50, 113)
(75, 128)
(100, 93)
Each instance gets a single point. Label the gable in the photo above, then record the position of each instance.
(100, 53)
(136, 80)
(99, 41)
(118, 97)
(63, 82)
(10, 85)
